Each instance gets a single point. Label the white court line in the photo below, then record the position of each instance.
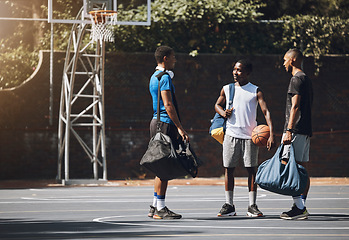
(140, 200)
(93, 199)
(157, 225)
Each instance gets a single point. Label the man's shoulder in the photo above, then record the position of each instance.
(252, 85)
(163, 76)
(226, 87)
(300, 76)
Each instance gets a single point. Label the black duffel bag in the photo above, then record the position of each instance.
(167, 163)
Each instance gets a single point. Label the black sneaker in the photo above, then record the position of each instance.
(166, 213)
(151, 211)
(295, 213)
(253, 211)
(227, 210)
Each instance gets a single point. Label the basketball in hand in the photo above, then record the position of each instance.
(260, 135)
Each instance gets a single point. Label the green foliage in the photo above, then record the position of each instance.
(315, 35)
(18, 53)
(63, 10)
(17, 64)
(189, 26)
(199, 25)
(324, 8)
(209, 26)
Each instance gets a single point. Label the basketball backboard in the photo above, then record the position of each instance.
(89, 5)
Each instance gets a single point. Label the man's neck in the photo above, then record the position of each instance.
(243, 83)
(296, 70)
(161, 66)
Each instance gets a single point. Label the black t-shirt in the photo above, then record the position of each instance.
(301, 85)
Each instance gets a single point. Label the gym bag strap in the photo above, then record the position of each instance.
(218, 123)
(159, 76)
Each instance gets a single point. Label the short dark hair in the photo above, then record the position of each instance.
(161, 52)
(247, 65)
(296, 53)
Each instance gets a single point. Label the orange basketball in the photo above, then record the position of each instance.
(260, 135)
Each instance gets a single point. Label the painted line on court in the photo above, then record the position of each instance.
(92, 199)
(106, 220)
(240, 235)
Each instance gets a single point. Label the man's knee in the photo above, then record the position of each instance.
(229, 171)
(251, 170)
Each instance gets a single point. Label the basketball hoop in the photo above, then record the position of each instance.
(102, 20)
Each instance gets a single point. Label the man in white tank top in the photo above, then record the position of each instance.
(237, 144)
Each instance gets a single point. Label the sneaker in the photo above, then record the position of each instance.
(253, 211)
(165, 213)
(227, 210)
(151, 211)
(295, 213)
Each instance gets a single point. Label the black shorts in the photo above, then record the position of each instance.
(166, 128)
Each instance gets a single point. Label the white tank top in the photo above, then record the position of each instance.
(243, 119)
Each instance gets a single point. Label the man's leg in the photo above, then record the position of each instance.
(160, 187)
(228, 209)
(301, 145)
(306, 190)
(161, 211)
(252, 210)
(231, 155)
(252, 186)
(155, 201)
(229, 185)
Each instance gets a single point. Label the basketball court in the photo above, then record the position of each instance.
(118, 212)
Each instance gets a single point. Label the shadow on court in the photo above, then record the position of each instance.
(44, 229)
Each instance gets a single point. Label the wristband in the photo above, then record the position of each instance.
(290, 130)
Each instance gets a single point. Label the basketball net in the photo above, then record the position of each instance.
(102, 22)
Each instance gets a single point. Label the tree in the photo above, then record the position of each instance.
(191, 26)
(17, 56)
(315, 35)
(187, 26)
(19, 48)
(322, 8)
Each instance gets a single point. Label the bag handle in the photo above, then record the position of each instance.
(290, 158)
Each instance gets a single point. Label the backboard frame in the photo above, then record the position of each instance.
(86, 18)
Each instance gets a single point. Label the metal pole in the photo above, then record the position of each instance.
(95, 93)
(51, 77)
(103, 144)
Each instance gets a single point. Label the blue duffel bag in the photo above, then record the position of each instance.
(290, 179)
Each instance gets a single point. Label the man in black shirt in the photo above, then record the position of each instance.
(297, 128)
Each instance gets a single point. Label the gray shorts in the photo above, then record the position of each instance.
(235, 148)
(301, 146)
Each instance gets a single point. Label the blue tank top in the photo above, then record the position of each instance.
(165, 84)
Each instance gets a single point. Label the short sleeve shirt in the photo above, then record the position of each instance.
(165, 84)
(301, 85)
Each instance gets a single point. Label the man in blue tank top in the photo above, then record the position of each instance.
(169, 123)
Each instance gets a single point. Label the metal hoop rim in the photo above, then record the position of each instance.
(103, 16)
(103, 12)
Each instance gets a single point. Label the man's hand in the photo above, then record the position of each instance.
(227, 113)
(287, 138)
(183, 134)
(270, 143)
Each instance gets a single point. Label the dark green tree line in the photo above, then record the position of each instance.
(318, 27)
